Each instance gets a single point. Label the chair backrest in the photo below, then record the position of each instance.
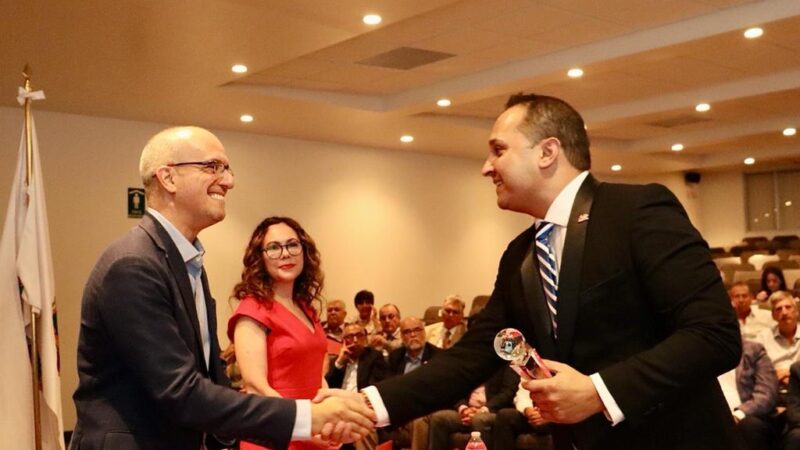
(754, 284)
(792, 276)
(755, 239)
(477, 304)
(758, 261)
(744, 275)
(783, 265)
(786, 253)
(727, 260)
(432, 315)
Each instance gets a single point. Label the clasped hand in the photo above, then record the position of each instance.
(339, 416)
(568, 397)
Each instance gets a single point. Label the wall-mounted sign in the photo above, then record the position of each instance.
(135, 203)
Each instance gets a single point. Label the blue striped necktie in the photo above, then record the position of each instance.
(548, 270)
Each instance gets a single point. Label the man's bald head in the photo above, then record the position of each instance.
(168, 146)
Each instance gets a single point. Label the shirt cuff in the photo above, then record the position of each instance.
(612, 411)
(302, 421)
(377, 405)
(739, 414)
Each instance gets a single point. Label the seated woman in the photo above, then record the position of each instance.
(772, 280)
(280, 345)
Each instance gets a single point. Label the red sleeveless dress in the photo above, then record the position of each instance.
(294, 354)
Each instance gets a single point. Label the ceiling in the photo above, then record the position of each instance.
(317, 72)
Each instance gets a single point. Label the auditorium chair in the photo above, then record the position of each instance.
(431, 315)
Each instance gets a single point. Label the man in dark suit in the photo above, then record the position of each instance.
(357, 365)
(633, 316)
(415, 351)
(150, 373)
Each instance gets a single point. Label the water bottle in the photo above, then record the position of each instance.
(475, 441)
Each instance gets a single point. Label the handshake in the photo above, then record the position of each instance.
(339, 416)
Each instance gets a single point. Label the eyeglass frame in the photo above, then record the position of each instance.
(410, 331)
(283, 247)
(218, 167)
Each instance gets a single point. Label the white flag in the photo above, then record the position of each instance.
(26, 274)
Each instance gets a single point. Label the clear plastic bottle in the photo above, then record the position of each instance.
(475, 441)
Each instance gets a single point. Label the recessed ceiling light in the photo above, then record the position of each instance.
(616, 167)
(752, 33)
(239, 68)
(702, 107)
(750, 161)
(787, 203)
(406, 138)
(372, 19)
(443, 102)
(677, 147)
(246, 118)
(789, 131)
(575, 72)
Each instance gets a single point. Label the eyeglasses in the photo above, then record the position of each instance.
(274, 250)
(410, 331)
(352, 336)
(210, 166)
(450, 311)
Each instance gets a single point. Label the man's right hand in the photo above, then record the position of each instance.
(341, 418)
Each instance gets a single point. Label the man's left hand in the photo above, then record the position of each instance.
(567, 397)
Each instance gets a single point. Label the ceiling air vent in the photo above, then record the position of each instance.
(405, 58)
(678, 121)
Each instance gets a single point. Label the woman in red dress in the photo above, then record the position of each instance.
(279, 343)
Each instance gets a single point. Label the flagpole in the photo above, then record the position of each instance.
(37, 423)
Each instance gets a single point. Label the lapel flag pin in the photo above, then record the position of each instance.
(583, 218)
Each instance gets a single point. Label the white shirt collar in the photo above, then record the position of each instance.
(561, 208)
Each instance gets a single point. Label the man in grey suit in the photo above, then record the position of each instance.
(148, 357)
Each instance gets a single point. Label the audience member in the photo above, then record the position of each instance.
(335, 312)
(751, 390)
(782, 340)
(280, 282)
(772, 280)
(414, 353)
(447, 332)
(475, 413)
(367, 317)
(791, 440)
(357, 365)
(524, 417)
(752, 319)
(388, 338)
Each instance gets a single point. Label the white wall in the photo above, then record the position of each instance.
(412, 228)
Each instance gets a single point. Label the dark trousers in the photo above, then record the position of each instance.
(510, 423)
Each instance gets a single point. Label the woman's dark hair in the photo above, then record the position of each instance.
(775, 271)
(256, 281)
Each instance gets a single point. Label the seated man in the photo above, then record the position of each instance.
(388, 338)
(414, 353)
(752, 319)
(782, 340)
(524, 417)
(751, 390)
(335, 311)
(475, 413)
(357, 365)
(447, 332)
(791, 440)
(334, 326)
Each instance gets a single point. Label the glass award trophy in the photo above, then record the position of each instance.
(510, 345)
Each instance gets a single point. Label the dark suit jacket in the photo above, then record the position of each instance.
(639, 301)
(500, 389)
(143, 381)
(397, 358)
(756, 381)
(371, 369)
(793, 398)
